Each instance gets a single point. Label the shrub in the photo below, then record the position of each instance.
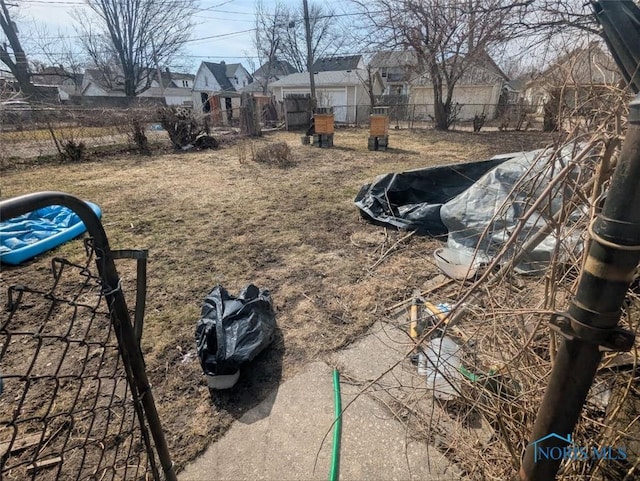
(73, 151)
(478, 121)
(277, 154)
(139, 137)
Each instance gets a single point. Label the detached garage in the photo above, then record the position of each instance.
(343, 90)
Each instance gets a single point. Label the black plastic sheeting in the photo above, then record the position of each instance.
(234, 330)
(412, 200)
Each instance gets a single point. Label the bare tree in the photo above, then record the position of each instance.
(449, 37)
(267, 40)
(59, 58)
(129, 38)
(13, 54)
(326, 38)
(368, 81)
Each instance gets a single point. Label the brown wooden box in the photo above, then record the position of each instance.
(379, 125)
(323, 123)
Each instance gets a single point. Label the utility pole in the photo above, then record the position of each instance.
(307, 28)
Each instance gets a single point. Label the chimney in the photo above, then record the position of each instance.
(166, 69)
(222, 62)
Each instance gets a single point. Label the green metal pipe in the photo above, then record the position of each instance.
(334, 474)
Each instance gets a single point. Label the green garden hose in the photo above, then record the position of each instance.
(334, 474)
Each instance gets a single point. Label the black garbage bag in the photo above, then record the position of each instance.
(233, 330)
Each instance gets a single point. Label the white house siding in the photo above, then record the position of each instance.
(171, 95)
(241, 78)
(475, 99)
(352, 102)
(93, 90)
(205, 81)
(343, 110)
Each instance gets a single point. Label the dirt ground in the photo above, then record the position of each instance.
(217, 217)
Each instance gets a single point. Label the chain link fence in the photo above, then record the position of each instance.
(75, 403)
(48, 132)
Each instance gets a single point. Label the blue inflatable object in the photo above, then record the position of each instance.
(31, 234)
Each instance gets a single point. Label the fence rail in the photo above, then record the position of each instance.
(44, 131)
(75, 401)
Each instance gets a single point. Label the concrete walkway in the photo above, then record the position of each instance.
(289, 435)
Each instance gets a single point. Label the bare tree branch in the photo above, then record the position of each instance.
(326, 38)
(268, 39)
(126, 39)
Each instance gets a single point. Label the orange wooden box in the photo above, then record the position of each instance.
(379, 125)
(323, 123)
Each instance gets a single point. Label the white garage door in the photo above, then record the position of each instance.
(336, 98)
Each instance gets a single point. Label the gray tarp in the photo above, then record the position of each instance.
(485, 215)
(484, 211)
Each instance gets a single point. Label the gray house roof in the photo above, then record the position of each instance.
(56, 76)
(174, 79)
(336, 63)
(323, 79)
(219, 71)
(278, 68)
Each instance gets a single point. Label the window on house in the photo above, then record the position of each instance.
(206, 81)
(185, 83)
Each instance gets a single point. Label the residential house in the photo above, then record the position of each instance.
(67, 83)
(341, 82)
(95, 83)
(172, 87)
(396, 68)
(216, 89)
(269, 72)
(344, 90)
(581, 79)
(478, 91)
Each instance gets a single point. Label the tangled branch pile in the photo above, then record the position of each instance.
(184, 130)
(501, 323)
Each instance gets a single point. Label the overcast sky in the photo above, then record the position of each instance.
(231, 22)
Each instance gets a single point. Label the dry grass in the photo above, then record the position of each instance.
(208, 218)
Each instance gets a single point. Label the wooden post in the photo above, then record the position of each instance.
(249, 123)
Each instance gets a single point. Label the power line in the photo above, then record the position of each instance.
(212, 9)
